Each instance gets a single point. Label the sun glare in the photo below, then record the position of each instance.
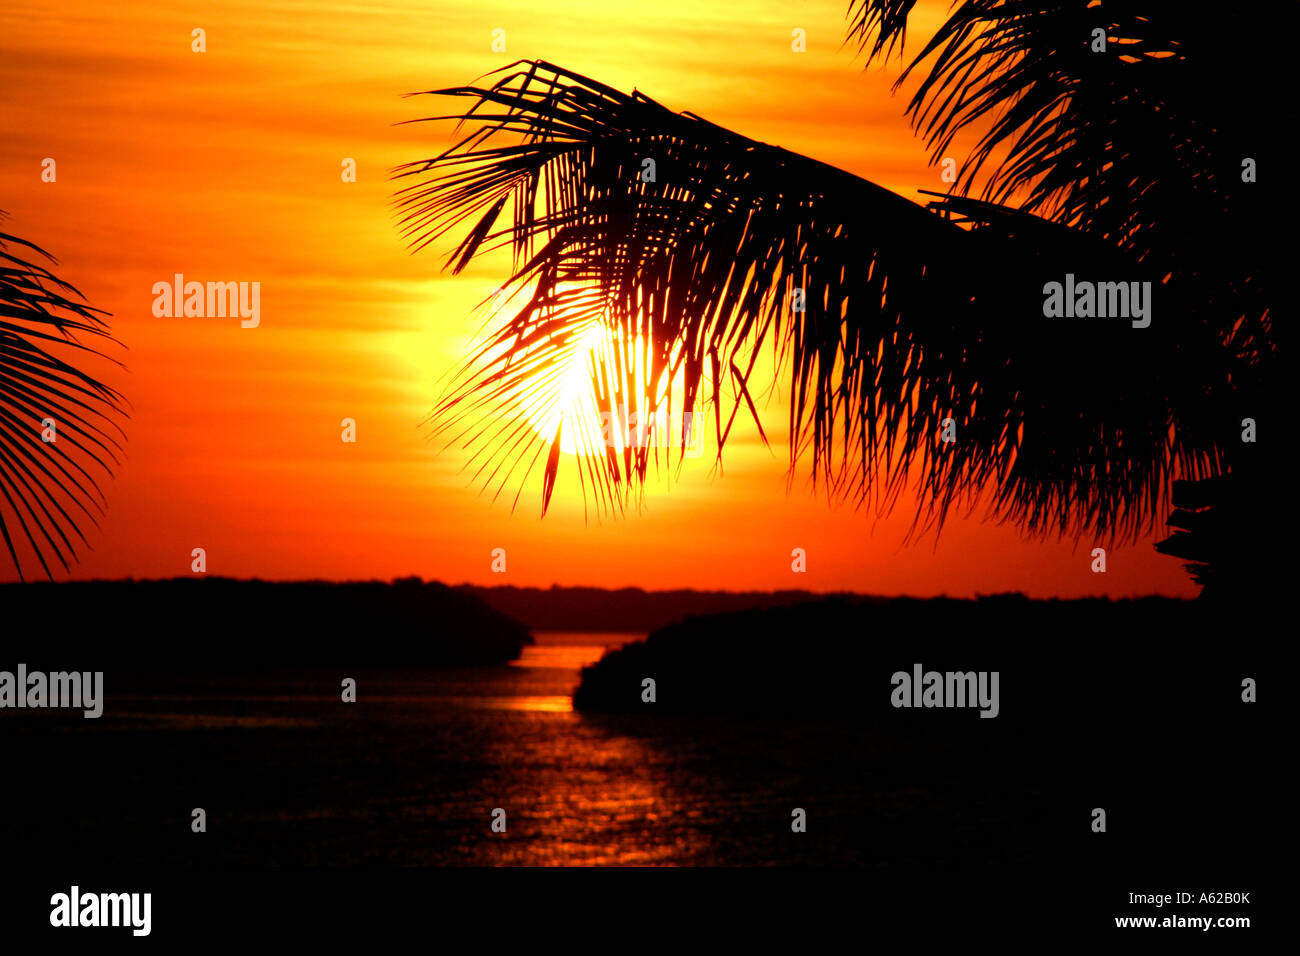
(565, 398)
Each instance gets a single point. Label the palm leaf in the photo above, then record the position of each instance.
(1139, 145)
(914, 315)
(49, 490)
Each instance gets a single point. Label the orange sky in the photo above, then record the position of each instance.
(225, 166)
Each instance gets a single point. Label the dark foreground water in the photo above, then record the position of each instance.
(288, 774)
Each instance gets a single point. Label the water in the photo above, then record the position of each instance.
(412, 772)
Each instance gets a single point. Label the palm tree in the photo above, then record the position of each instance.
(57, 424)
(1128, 164)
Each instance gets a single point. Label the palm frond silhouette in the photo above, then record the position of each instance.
(913, 314)
(49, 490)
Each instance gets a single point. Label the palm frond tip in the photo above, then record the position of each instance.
(49, 490)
